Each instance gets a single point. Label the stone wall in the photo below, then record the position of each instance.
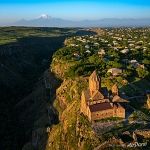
(119, 112)
(102, 114)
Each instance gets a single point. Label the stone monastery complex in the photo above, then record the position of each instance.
(97, 103)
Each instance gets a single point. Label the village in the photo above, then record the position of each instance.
(123, 46)
(116, 63)
(122, 54)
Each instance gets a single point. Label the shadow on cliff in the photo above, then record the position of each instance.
(21, 65)
(136, 93)
(41, 113)
(52, 113)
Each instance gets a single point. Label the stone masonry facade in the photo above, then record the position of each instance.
(96, 103)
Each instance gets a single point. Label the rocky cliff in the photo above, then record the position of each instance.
(22, 63)
(73, 131)
(26, 96)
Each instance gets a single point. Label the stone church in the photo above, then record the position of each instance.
(96, 102)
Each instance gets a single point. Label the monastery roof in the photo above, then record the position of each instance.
(117, 98)
(94, 76)
(97, 95)
(100, 107)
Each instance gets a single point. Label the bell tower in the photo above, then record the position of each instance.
(94, 83)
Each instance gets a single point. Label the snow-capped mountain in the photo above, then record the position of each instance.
(44, 16)
(45, 20)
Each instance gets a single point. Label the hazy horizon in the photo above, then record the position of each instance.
(12, 11)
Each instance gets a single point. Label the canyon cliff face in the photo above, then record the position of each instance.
(73, 130)
(25, 98)
(61, 125)
(21, 66)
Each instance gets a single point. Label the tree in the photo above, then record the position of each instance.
(95, 59)
(114, 64)
(142, 73)
(146, 61)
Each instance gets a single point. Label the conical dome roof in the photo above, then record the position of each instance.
(94, 82)
(94, 76)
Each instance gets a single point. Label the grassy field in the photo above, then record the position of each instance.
(12, 34)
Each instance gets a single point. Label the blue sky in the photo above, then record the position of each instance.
(12, 10)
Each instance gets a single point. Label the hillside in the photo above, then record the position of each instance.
(25, 54)
(73, 64)
(21, 64)
(73, 130)
(45, 107)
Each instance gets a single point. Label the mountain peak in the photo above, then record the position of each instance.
(48, 21)
(44, 16)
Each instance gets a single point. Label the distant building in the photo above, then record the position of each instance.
(88, 51)
(101, 52)
(77, 56)
(87, 46)
(134, 63)
(115, 71)
(124, 51)
(95, 102)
